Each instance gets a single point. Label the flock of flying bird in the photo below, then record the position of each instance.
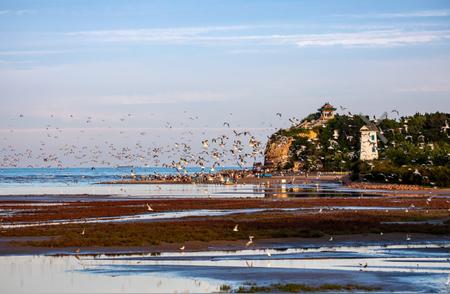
(234, 147)
(230, 148)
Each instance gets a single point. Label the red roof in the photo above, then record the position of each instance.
(327, 106)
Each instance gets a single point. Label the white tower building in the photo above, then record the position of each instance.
(369, 145)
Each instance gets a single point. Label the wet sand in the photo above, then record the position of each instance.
(388, 266)
(6, 248)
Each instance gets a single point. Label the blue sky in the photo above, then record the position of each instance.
(62, 62)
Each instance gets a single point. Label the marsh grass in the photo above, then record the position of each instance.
(296, 288)
(93, 209)
(260, 225)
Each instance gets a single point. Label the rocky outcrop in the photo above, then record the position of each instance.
(277, 152)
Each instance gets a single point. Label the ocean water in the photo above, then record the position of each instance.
(26, 182)
(13, 177)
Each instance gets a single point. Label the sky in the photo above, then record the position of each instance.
(102, 66)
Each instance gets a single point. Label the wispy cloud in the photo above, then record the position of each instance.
(389, 38)
(245, 35)
(33, 52)
(154, 34)
(404, 14)
(21, 12)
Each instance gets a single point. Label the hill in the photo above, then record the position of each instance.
(411, 149)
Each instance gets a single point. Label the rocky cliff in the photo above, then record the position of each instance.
(276, 155)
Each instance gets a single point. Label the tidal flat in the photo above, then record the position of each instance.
(309, 240)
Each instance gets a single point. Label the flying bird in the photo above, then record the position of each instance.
(250, 241)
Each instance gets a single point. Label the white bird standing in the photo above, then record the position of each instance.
(182, 248)
(250, 241)
(149, 208)
(236, 229)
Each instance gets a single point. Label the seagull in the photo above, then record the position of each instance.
(250, 238)
(268, 253)
(83, 232)
(445, 127)
(278, 114)
(408, 237)
(149, 208)
(182, 248)
(331, 239)
(235, 229)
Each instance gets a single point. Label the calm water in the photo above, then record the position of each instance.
(411, 268)
(78, 181)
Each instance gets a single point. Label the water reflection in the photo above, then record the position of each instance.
(145, 191)
(393, 267)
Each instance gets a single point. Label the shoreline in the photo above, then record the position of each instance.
(393, 187)
(291, 179)
(338, 178)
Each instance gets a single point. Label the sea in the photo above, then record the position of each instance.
(11, 177)
(71, 181)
